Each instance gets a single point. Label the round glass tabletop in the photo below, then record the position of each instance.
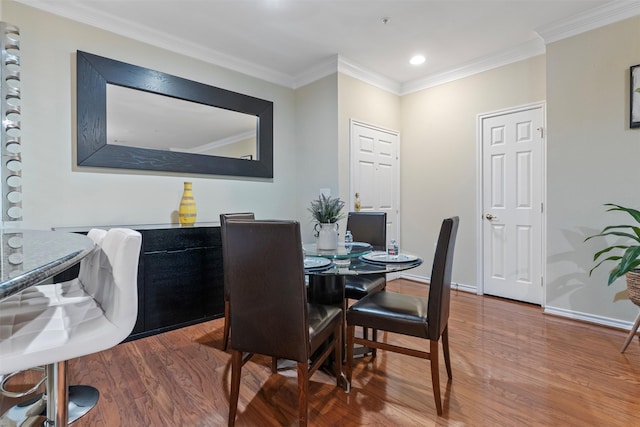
(344, 251)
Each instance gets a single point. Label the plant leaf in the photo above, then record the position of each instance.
(635, 229)
(633, 212)
(630, 258)
(629, 261)
(612, 258)
(604, 251)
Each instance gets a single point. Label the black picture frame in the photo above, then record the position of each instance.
(95, 72)
(634, 96)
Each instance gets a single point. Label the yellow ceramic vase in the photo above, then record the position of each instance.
(187, 210)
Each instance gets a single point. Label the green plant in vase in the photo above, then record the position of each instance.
(628, 260)
(326, 212)
(325, 209)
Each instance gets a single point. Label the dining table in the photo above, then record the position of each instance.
(327, 271)
(30, 257)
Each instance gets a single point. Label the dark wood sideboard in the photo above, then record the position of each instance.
(180, 278)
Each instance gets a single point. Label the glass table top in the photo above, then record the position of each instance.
(352, 260)
(31, 256)
(344, 251)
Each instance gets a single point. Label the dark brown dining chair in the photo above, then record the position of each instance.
(369, 227)
(411, 315)
(223, 221)
(269, 310)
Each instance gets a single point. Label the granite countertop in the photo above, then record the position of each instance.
(32, 256)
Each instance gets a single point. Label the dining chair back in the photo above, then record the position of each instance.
(412, 315)
(370, 227)
(223, 222)
(269, 310)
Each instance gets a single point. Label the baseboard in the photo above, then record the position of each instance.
(555, 311)
(424, 279)
(589, 318)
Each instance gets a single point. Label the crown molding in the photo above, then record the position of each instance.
(597, 17)
(217, 144)
(78, 11)
(316, 72)
(345, 66)
(609, 13)
(529, 49)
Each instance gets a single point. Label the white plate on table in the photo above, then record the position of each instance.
(359, 245)
(383, 257)
(316, 262)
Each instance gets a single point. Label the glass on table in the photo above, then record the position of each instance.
(348, 240)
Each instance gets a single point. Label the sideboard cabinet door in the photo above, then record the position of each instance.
(183, 282)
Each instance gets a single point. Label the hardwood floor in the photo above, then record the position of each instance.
(512, 366)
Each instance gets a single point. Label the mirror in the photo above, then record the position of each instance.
(135, 118)
(138, 119)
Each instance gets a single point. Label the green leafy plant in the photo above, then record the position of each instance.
(326, 210)
(630, 258)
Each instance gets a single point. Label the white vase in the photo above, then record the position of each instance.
(328, 237)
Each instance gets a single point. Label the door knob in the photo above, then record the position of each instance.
(490, 217)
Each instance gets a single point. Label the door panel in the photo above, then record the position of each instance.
(512, 205)
(374, 172)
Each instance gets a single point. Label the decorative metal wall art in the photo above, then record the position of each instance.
(11, 168)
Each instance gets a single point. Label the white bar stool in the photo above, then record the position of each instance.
(47, 325)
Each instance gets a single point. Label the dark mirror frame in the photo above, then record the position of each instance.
(95, 72)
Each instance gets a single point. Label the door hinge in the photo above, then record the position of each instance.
(541, 282)
(541, 130)
(541, 207)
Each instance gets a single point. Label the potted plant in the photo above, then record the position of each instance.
(326, 211)
(627, 262)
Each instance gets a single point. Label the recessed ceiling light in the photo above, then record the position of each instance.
(417, 60)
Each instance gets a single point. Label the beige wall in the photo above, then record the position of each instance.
(439, 167)
(316, 130)
(58, 193)
(365, 103)
(592, 159)
(322, 131)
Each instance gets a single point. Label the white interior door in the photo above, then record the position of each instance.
(375, 173)
(512, 187)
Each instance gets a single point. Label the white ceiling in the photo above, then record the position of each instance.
(292, 42)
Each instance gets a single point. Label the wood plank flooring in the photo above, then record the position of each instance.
(512, 366)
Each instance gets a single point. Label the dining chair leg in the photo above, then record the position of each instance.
(374, 337)
(303, 391)
(236, 368)
(351, 329)
(337, 353)
(435, 375)
(227, 313)
(632, 333)
(445, 350)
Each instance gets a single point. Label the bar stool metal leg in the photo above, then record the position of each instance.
(632, 333)
(59, 405)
